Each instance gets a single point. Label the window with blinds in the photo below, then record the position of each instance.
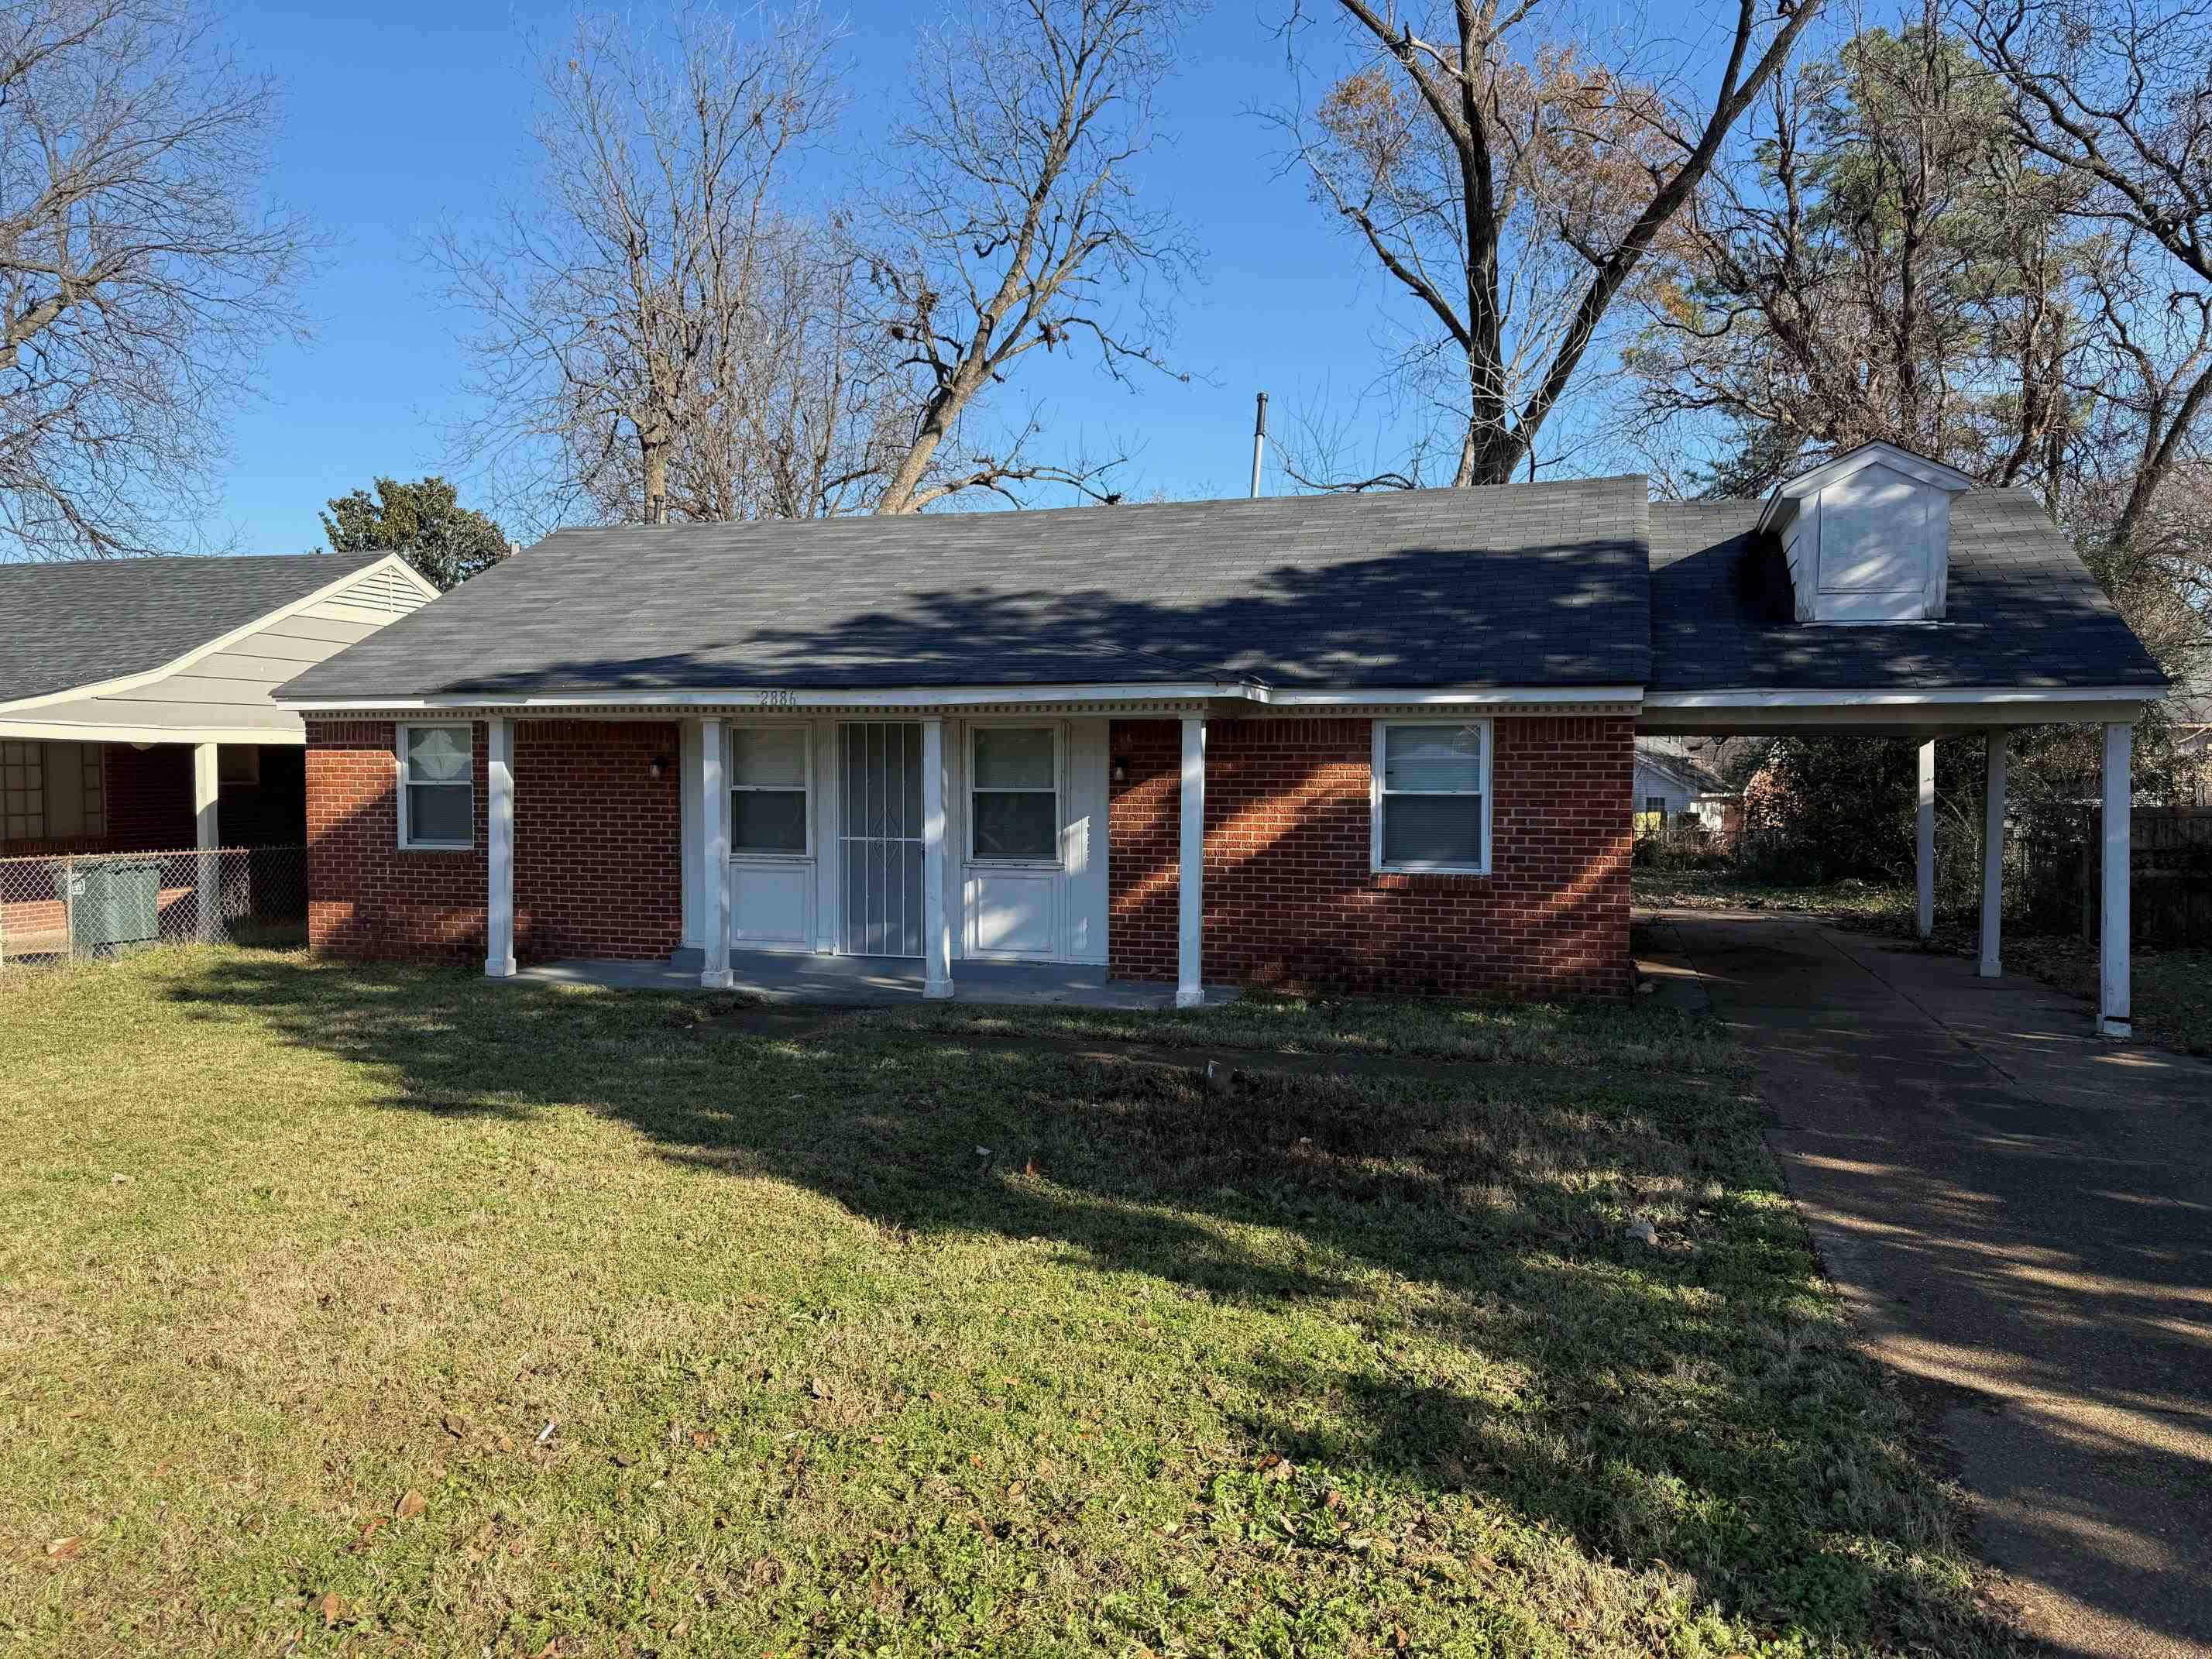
(51, 791)
(1432, 796)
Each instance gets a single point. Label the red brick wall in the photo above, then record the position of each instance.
(1290, 899)
(597, 859)
(149, 797)
(366, 898)
(599, 865)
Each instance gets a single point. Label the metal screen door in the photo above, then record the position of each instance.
(880, 770)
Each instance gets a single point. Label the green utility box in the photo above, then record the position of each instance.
(111, 905)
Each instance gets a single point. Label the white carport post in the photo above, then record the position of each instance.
(714, 857)
(936, 935)
(207, 825)
(1190, 895)
(2112, 1015)
(1924, 842)
(1993, 832)
(499, 848)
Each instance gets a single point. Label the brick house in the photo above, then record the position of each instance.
(1358, 743)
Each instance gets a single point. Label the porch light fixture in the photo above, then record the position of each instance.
(658, 766)
(1121, 771)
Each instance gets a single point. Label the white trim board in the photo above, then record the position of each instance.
(773, 700)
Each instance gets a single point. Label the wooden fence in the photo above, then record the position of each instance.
(2170, 886)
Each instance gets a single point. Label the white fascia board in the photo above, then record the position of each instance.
(293, 737)
(1891, 698)
(221, 641)
(1484, 695)
(971, 696)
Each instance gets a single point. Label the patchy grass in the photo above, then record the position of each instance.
(1594, 1034)
(1881, 907)
(390, 1309)
(2169, 992)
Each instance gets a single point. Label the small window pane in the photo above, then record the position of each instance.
(768, 821)
(1017, 825)
(1008, 758)
(437, 754)
(440, 812)
(1432, 829)
(769, 757)
(1433, 758)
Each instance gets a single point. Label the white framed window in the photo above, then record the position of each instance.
(1430, 796)
(1013, 794)
(437, 788)
(1655, 805)
(770, 780)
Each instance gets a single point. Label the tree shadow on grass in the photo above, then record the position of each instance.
(1694, 1407)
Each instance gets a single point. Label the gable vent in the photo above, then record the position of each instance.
(1868, 535)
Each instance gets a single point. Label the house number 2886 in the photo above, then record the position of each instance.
(778, 699)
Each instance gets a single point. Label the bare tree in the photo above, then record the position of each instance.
(2115, 91)
(1885, 264)
(1511, 187)
(657, 335)
(1011, 219)
(139, 277)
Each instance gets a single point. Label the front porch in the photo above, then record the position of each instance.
(873, 982)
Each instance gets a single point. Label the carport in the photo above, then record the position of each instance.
(1882, 596)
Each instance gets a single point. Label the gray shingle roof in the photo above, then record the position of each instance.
(1520, 585)
(2022, 611)
(65, 625)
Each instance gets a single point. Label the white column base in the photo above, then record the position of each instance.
(716, 978)
(2115, 1028)
(499, 967)
(1190, 999)
(939, 988)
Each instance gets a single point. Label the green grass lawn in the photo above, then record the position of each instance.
(1886, 907)
(390, 1310)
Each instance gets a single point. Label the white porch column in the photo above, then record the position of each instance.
(936, 935)
(715, 852)
(208, 835)
(1190, 895)
(1924, 842)
(2112, 1015)
(1993, 830)
(499, 848)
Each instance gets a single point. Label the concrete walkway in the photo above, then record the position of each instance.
(777, 976)
(2022, 1215)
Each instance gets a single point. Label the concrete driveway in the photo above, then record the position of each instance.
(2022, 1216)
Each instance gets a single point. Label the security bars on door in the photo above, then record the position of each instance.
(880, 771)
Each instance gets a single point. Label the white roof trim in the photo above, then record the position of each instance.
(972, 695)
(221, 641)
(1888, 698)
(1871, 453)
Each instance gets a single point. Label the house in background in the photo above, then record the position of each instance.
(1674, 782)
(1366, 742)
(135, 705)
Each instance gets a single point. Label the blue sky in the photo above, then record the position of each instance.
(402, 113)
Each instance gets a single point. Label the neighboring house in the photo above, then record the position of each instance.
(1673, 783)
(1377, 742)
(134, 705)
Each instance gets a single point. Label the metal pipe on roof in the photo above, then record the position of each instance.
(1259, 443)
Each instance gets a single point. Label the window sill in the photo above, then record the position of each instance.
(1430, 881)
(1042, 866)
(437, 847)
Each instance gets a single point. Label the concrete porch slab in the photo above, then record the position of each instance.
(876, 981)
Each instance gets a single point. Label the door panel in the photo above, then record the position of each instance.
(1013, 912)
(771, 904)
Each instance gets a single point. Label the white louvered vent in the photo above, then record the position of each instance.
(1868, 535)
(387, 592)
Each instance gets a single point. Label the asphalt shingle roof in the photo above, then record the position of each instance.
(1511, 585)
(1582, 583)
(65, 625)
(2021, 611)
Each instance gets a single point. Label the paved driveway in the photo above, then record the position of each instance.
(2022, 1217)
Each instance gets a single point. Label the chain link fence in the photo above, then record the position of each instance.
(72, 907)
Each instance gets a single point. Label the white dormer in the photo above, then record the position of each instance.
(1868, 535)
